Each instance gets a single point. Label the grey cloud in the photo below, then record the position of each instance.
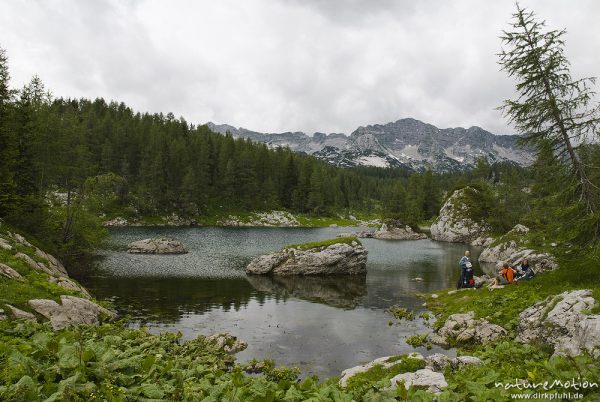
(311, 65)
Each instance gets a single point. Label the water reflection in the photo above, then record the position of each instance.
(337, 291)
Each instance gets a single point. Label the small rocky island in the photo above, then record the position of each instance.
(161, 245)
(340, 256)
(389, 230)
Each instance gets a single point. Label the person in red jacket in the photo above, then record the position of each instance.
(506, 275)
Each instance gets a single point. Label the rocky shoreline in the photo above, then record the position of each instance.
(256, 219)
(75, 306)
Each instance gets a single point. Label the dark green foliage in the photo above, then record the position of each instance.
(555, 113)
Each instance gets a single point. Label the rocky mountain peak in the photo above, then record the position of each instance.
(405, 142)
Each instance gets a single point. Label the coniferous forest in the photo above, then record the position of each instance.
(97, 159)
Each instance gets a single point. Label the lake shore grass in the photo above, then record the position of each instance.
(507, 361)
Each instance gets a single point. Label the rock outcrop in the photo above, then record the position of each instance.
(388, 232)
(156, 246)
(71, 311)
(464, 328)
(439, 362)
(428, 375)
(508, 250)
(400, 232)
(69, 284)
(19, 314)
(116, 222)
(426, 379)
(8, 272)
(260, 219)
(455, 222)
(51, 265)
(226, 342)
(335, 259)
(385, 363)
(559, 322)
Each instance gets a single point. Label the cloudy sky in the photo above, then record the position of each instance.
(286, 65)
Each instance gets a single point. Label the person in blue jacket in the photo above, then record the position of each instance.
(466, 271)
(524, 271)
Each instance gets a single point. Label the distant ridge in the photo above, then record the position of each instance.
(406, 142)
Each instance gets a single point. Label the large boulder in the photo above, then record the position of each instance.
(464, 328)
(431, 381)
(71, 311)
(335, 259)
(509, 249)
(455, 222)
(161, 245)
(559, 321)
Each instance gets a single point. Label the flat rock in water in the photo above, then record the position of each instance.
(71, 311)
(156, 246)
(336, 259)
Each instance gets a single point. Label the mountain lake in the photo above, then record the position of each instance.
(322, 325)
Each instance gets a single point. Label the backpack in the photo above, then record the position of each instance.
(508, 274)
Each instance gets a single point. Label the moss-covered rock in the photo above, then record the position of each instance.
(339, 256)
(461, 219)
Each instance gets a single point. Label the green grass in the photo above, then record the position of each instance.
(418, 340)
(323, 243)
(502, 306)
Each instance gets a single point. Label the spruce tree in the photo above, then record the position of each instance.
(552, 107)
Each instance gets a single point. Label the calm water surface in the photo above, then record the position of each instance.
(322, 325)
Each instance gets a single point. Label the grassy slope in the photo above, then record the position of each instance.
(502, 306)
(506, 360)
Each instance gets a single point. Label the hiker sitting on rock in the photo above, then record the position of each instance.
(506, 275)
(524, 271)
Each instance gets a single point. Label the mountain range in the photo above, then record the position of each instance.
(405, 143)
